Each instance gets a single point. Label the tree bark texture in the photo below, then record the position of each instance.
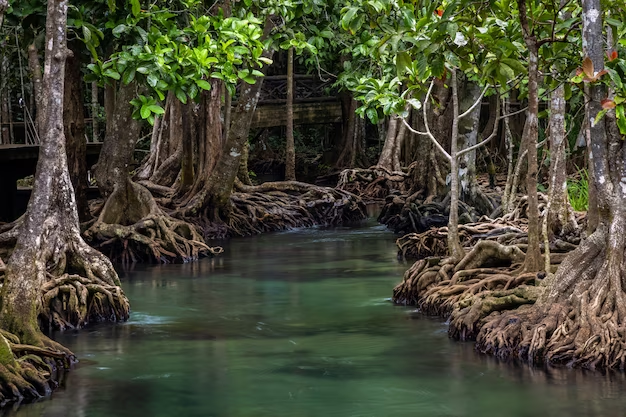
(122, 133)
(36, 77)
(454, 242)
(531, 132)
(386, 159)
(560, 216)
(290, 155)
(74, 124)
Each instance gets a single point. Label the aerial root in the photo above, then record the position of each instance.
(29, 372)
(372, 184)
(156, 237)
(434, 242)
(285, 205)
(487, 280)
(72, 301)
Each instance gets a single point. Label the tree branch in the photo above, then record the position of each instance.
(428, 132)
(493, 134)
(476, 103)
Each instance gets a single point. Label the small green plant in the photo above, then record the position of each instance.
(578, 191)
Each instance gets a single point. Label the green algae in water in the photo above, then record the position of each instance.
(297, 324)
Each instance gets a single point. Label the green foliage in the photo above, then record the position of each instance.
(178, 48)
(578, 191)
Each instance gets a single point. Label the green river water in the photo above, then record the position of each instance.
(299, 324)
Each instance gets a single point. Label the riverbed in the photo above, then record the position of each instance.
(299, 324)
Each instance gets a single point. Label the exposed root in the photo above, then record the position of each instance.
(133, 228)
(373, 184)
(27, 372)
(285, 205)
(434, 242)
(410, 214)
(577, 321)
(437, 285)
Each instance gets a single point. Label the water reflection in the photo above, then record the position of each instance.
(297, 324)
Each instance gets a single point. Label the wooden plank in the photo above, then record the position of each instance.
(303, 113)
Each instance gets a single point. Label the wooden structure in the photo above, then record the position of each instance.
(19, 161)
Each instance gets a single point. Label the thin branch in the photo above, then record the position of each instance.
(515, 113)
(494, 133)
(476, 103)
(428, 132)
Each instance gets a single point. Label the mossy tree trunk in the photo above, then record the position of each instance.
(53, 278)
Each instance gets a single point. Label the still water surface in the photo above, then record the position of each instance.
(298, 324)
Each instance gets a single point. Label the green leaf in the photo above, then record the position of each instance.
(515, 65)
(136, 9)
(145, 112)
(156, 109)
(416, 104)
(111, 74)
(372, 114)
(86, 34)
(181, 96)
(506, 71)
(128, 76)
(346, 19)
(119, 29)
(599, 116)
(403, 61)
(152, 80)
(621, 118)
(205, 85)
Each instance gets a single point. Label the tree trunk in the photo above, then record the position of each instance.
(131, 225)
(531, 132)
(95, 107)
(4, 5)
(454, 243)
(468, 137)
(74, 123)
(215, 195)
(560, 217)
(122, 133)
(53, 278)
(387, 155)
(36, 76)
(189, 130)
(352, 151)
(290, 155)
(210, 143)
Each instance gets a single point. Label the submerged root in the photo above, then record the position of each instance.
(133, 228)
(28, 372)
(285, 205)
